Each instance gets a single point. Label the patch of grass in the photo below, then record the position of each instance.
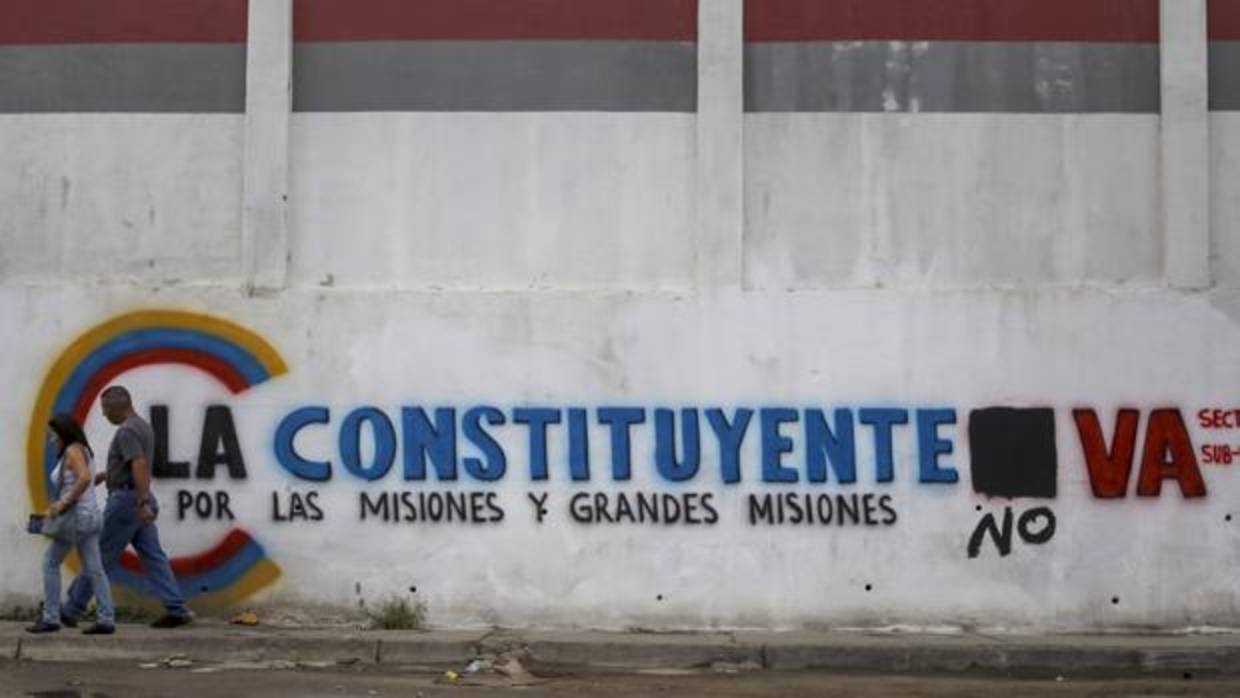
(24, 614)
(397, 613)
(132, 614)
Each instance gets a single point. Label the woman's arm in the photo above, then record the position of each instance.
(75, 460)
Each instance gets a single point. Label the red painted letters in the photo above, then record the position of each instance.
(1166, 435)
(1167, 454)
(1108, 469)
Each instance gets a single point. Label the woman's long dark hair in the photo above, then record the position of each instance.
(69, 432)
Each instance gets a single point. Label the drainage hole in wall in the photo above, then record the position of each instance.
(659, 597)
(978, 507)
(413, 590)
(868, 587)
(1188, 675)
(1227, 518)
(1114, 600)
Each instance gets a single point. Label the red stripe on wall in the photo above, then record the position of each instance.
(121, 21)
(196, 564)
(953, 20)
(1224, 18)
(395, 20)
(217, 367)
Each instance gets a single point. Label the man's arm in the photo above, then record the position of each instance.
(141, 478)
(142, 486)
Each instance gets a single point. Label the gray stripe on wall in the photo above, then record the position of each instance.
(1225, 75)
(495, 76)
(950, 76)
(122, 78)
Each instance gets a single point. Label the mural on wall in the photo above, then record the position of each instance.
(809, 466)
(236, 566)
(429, 442)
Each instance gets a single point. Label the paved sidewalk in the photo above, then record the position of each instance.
(209, 642)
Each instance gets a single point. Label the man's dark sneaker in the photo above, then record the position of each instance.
(43, 627)
(169, 620)
(99, 629)
(67, 621)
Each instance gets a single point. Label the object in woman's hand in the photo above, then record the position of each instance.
(36, 523)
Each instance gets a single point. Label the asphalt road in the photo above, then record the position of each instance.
(126, 680)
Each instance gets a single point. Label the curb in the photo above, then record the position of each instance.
(71, 647)
(634, 650)
(833, 651)
(1027, 659)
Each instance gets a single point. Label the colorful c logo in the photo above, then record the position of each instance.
(236, 566)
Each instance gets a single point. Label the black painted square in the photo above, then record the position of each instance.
(1013, 451)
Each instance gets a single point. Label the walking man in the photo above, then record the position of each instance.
(129, 516)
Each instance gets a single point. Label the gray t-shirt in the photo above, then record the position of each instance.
(133, 438)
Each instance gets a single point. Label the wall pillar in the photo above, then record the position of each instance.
(720, 144)
(1185, 143)
(268, 104)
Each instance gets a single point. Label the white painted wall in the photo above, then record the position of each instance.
(838, 200)
(566, 260)
(492, 200)
(129, 198)
(1225, 199)
(1162, 557)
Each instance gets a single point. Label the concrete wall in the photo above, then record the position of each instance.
(484, 200)
(965, 283)
(837, 200)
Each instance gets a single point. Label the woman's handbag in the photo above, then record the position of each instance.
(59, 527)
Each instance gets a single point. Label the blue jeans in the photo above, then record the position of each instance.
(122, 527)
(85, 538)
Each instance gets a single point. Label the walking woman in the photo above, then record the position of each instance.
(81, 520)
